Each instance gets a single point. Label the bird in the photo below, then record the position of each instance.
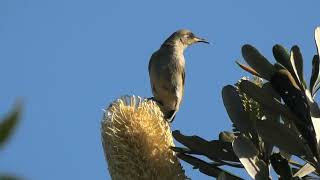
(167, 71)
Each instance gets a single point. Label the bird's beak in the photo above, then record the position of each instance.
(197, 39)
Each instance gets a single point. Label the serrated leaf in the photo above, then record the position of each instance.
(234, 107)
(257, 61)
(8, 124)
(281, 136)
(248, 155)
(215, 150)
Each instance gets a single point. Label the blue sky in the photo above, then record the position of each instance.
(68, 59)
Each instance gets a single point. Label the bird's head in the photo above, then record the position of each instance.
(184, 38)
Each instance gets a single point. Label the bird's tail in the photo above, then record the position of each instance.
(168, 115)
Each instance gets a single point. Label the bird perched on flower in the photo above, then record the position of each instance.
(167, 71)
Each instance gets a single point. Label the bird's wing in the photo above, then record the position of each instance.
(183, 77)
(150, 62)
(183, 80)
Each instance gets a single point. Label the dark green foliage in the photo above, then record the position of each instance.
(281, 166)
(7, 127)
(282, 56)
(8, 124)
(279, 111)
(257, 61)
(315, 75)
(9, 177)
(220, 152)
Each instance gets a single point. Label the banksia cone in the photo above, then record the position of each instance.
(137, 140)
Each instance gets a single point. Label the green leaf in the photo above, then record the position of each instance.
(295, 98)
(315, 119)
(215, 150)
(315, 76)
(265, 99)
(257, 61)
(282, 56)
(183, 150)
(305, 170)
(248, 69)
(234, 107)
(317, 38)
(281, 136)
(278, 66)
(226, 136)
(287, 60)
(8, 124)
(205, 167)
(267, 89)
(248, 155)
(297, 62)
(269, 114)
(281, 166)
(226, 176)
(9, 177)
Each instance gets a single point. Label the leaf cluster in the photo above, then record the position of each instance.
(275, 117)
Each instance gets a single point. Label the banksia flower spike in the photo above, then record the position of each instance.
(137, 140)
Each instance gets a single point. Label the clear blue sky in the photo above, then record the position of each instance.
(68, 59)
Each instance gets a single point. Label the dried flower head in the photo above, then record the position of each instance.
(137, 140)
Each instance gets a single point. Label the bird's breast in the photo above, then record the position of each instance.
(177, 62)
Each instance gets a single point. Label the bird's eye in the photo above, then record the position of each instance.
(189, 35)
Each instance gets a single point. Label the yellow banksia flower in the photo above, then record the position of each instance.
(137, 140)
